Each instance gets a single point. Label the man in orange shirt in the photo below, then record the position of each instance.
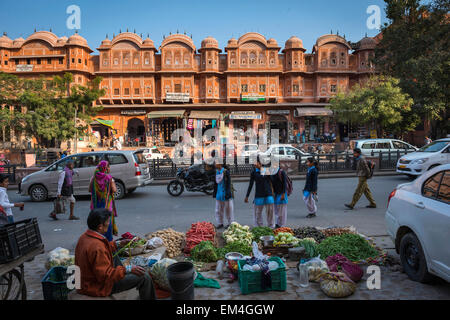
(101, 274)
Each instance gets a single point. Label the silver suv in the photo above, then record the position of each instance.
(128, 168)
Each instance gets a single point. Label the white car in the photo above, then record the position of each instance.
(426, 158)
(286, 152)
(418, 221)
(152, 153)
(371, 147)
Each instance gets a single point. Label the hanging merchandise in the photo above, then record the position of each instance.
(214, 123)
(190, 124)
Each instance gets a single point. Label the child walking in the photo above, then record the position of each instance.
(6, 215)
(281, 197)
(310, 190)
(223, 194)
(263, 195)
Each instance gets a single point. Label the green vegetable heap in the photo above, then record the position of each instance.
(237, 246)
(352, 246)
(259, 232)
(310, 246)
(204, 252)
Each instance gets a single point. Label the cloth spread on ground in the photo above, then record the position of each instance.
(202, 282)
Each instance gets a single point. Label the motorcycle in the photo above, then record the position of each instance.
(195, 179)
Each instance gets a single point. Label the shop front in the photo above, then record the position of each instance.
(204, 120)
(162, 124)
(279, 120)
(103, 131)
(315, 124)
(243, 121)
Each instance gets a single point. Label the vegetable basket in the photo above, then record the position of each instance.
(250, 282)
(54, 284)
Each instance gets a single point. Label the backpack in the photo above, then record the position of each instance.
(371, 166)
(289, 187)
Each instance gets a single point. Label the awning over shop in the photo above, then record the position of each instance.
(204, 114)
(107, 123)
(313, 111)
(166, 114)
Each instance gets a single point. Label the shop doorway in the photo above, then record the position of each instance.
(279, 123)
(136, 130)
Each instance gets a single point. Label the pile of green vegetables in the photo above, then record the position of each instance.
(204, 252)
(236, 246)
(259, 232)
(310, 247)
(352, 246)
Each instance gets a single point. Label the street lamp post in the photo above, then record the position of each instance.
(76, 132)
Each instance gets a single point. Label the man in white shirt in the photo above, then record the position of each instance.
(6, 215)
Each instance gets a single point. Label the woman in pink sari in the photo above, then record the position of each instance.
(102, 189)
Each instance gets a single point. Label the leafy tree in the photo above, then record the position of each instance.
(415, 49)
(380, 100)
(50, 106)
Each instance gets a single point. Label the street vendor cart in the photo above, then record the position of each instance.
(20, 242)
(12, 276)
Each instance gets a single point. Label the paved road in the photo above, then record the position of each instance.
(152, 208)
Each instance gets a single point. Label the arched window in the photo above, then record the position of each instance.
(147, 58)
(244, 58)
(126, 58)
(333, 58)
(252, 58)
(177, 58)
(262, 59)
(136, 59)
(169, 58)
(186, 59)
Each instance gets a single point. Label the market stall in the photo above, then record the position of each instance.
(254, 259)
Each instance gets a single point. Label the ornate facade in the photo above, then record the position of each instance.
(252, 83)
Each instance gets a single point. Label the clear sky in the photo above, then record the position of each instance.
(306, 19)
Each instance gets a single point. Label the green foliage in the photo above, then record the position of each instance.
(380, 100)
(415, 48)
(259, 232)
(50, 106)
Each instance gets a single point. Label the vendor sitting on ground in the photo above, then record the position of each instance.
(101, 274)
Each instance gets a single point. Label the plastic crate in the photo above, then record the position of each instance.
(250, 282)
(19, 238)
(54, 284)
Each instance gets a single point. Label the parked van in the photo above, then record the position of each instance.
(375, 146)
(128, 168)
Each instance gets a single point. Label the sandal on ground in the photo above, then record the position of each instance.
(348, 206)
(311, 215)
(53, 216)
(371, 206)
(74, 218)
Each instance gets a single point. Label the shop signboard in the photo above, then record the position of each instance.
(278, 112)
(24, 67)
(177, 97)
(245, 115)
(133, 112)
(253, 97)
